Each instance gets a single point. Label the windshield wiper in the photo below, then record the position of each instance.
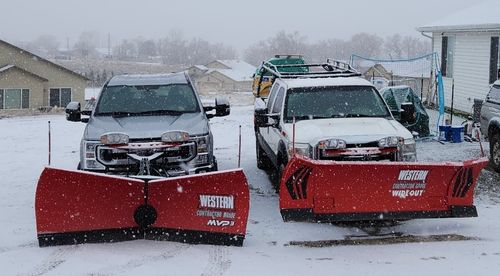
(159, 112)
(354, 115)
(120, 114)
(115, 114)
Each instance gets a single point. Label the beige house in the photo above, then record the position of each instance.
(223, 76)
(30, 82)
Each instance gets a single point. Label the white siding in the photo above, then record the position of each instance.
(470, 69)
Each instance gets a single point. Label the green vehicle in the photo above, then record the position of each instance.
(402, 96)
(263, 79)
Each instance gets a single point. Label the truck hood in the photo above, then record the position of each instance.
(352, 130)
(146, 127)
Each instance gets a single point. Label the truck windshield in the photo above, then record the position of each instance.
(147, 100)
(334, 102)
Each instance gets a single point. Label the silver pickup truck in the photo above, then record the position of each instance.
(148, 125)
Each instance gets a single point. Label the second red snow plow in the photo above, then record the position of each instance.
(341, 191)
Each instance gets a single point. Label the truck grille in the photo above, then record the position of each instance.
(359, 152)
(115, 157)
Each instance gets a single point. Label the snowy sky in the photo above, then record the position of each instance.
(236, 23)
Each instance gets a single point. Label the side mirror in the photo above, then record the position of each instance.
(260, 117)
(73, 113)
(222, 107)
(408, 113)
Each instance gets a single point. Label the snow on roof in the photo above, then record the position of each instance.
(201, 67)
(236, 64)
(6, 67)
(11, 66)
(320, 82)
(414, 69)
(240, 70)
(148, 79)
(481, 16)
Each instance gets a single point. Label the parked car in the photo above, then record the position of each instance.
(398, 96)
(148, 124)
(490, 123)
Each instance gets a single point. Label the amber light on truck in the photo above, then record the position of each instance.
(174, 137)
(114, 138)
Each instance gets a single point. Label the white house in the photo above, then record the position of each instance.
(467, 46)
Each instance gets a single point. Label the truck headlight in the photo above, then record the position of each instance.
(303, 149)
(332, 144)
(175, 137)
(114, 138)
(89, 161)
(409, 150)
(390, 142)
(201, 144)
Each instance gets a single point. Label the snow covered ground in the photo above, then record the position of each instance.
(23, 151)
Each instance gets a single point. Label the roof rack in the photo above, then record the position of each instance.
(330, 69)
(289, 56)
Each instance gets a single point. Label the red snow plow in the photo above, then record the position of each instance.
(339, 191)
(80, 207)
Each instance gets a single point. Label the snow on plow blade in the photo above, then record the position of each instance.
(80, 207)
(331, 191)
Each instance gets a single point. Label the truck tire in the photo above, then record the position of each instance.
(495, 151)
(263, 161)
(215, 165)
(277, 173)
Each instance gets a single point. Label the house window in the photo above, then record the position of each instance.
(59, 97)
(494, 60)
(447, 55)
(14, 98)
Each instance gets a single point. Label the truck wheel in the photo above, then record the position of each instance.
(495, 152)
(278, 174)
(263, 161)
(215, 165)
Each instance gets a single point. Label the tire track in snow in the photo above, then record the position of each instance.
(218, 261)
(53, 261)
(168, 253)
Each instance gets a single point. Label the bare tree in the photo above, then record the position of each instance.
(45, 44)
(86, 44)
(281, 43)
(126, 50)
(146, 48)
(365, 44)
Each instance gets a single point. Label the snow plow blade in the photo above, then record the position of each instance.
(81, 207)
(331, 191)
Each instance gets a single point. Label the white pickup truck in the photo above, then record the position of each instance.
(336, 118)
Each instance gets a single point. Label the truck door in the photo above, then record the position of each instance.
(275, 131)
(264, 131)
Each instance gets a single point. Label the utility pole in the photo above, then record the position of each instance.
(109, 45)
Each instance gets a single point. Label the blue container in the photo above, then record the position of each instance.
(457, 134)
(444, 133)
